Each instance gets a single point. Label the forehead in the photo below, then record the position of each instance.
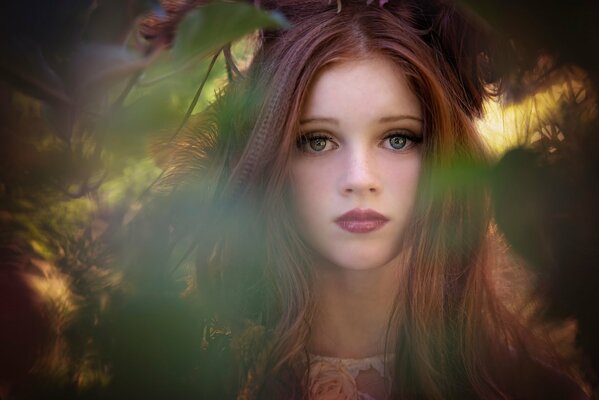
(366, 87)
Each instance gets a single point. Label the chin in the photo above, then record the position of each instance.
(360, 261)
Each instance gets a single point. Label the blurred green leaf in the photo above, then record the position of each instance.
(212, 26)
(127, 131)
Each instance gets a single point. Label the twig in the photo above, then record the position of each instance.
(230, 63)
(194, 102)
(140, 66)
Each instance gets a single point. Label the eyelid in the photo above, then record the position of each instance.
(413, 138)
(303, 139)
(407, 133)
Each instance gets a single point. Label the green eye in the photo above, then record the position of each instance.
(397, 142)
(315, 143)
(401, 140)
(318, 143)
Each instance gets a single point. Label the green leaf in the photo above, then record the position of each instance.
(210, 27)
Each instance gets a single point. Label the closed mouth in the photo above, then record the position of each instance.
(361, 220)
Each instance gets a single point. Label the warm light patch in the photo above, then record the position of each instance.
(538, 116)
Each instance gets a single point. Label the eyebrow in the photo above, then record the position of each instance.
(334, 121)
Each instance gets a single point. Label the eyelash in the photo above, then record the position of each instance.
(412, 138)
(304, 140)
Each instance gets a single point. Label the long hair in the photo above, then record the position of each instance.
(453, 334)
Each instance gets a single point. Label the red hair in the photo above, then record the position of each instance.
(454, 337)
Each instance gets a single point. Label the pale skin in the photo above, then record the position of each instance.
(361, 129)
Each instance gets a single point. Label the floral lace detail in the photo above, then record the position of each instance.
(334, 378)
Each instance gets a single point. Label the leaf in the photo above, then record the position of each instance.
(155, 110)
(126, 131)
(210, 27)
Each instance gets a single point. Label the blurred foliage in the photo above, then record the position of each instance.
(94, 261)
(196, 31)
(545, 183)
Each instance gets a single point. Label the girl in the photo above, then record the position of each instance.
(343, 263)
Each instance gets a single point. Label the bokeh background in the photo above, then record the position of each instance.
(97, 237)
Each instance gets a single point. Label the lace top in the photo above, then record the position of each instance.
(336, 378)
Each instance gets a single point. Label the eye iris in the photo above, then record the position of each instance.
(397, 142)
(318, 144)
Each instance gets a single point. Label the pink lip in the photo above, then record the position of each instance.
(361, 220)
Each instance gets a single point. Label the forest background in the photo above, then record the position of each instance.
(97, 97)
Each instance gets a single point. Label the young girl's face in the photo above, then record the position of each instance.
(355, 171)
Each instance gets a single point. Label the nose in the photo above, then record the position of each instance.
(360, 174)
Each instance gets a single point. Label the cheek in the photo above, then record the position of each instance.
(311, 187)
(315, 194)
(400, 187)
(316, 201)
(401, 180)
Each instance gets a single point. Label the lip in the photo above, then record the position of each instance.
(361, 220)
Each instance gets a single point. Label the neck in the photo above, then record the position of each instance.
(353, 311)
